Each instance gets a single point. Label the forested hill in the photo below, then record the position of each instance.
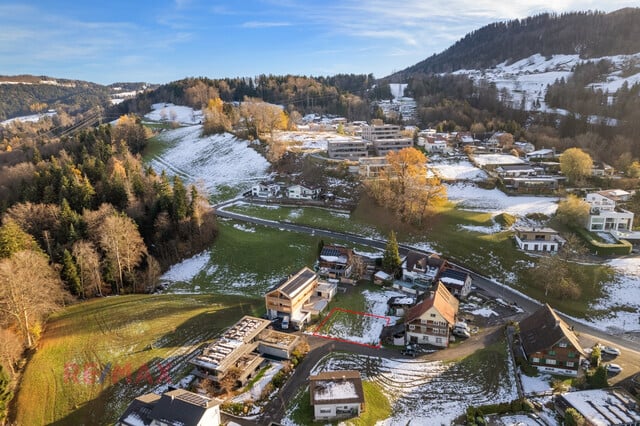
(26, 94)
(589, 34)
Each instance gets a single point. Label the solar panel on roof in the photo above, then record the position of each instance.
(330, 252)
(194, 399)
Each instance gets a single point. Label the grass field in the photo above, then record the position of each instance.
(312, 216)
(248, 259)
(79, 374)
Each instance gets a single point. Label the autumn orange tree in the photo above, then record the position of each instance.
(404, 186)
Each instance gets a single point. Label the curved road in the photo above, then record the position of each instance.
(487, 285)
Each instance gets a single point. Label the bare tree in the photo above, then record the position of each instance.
(122, 244)
(88, 261)
(29, 289)
(11, 348)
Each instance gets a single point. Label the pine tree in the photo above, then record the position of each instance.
(179, 203)
(70, 274)
(391, 258)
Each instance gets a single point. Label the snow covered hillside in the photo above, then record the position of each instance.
(225, 165)
(526, 80)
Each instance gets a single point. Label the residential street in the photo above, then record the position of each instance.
(588, 335)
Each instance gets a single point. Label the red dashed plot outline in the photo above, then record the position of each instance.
(364, 314)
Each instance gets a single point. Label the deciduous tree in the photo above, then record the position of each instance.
(123, 246)
(88, 262)
(29, 290)
(575, 164)
(11, 347)
(573, 211)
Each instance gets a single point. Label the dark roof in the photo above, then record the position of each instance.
(543, 329)
(432, 260)
(454, 274)
(322, 380)
(177, 406)
(140, 410)
(443, 301)
(298, 281)
(182, 407)
(513, 167)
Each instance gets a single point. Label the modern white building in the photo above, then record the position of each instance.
(605, 214)
(302, 192)
(265, 190)
(538, 239)
(336, 394)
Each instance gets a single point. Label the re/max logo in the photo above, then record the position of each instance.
(91, 373)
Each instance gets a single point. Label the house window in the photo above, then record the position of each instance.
(432, 315)
(526, 246)
(438, 339)
(412, 327)
(325, 410)
(570, 364)
(571, 354)
(562, 344)
(535, 359)
(550, 361)
(552, 352)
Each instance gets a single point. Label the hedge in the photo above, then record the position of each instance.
(603, 249)
(475, 415)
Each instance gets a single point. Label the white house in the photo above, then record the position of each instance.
(175, 407)
(336, 394)
(538, 239)
(265, 190)
(605, 215)
(303, 192)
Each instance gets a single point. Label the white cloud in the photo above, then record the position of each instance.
(261, 24)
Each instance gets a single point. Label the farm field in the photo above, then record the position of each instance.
(96, 356)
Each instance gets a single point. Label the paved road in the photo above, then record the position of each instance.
(490, 287)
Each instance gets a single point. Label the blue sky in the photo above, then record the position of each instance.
(164, 40)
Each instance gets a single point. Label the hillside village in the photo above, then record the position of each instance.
(457, 243)
(427, 305)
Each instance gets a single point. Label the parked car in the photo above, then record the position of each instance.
(610, 350)
(285, 323)
(409, 351)
(614, 368)
(461, 332)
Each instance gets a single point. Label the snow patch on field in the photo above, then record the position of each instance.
(622, 298)
(219, 161)
(483, 229)
(535, 385)
(459, 170)
(187, 269)
(170, 112)
(495, 201)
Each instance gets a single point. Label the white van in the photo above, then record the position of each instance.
(285, 323)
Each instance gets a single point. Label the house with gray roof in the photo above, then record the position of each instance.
(175, 407)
